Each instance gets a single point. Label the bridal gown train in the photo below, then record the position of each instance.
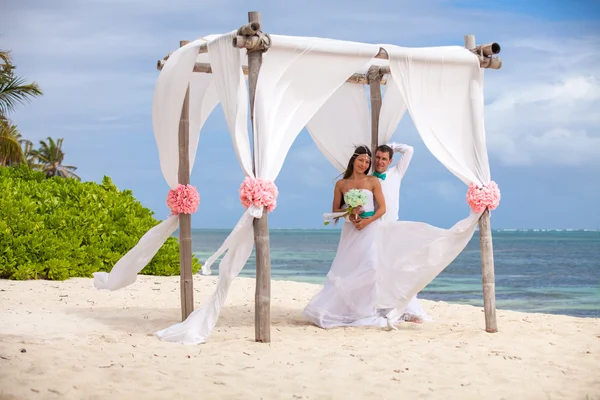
(349, 293)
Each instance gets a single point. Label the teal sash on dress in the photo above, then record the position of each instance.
(366, 214)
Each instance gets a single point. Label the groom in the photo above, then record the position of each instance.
(391, 179)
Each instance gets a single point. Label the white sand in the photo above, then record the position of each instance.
(80, 343)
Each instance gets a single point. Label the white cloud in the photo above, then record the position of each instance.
(448, 191)
(546, 109)
(310, 166)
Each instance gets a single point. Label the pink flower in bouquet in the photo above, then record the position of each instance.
(482, 197)
(184, 199)
(258, 192)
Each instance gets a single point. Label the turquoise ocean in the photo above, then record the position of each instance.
(556, 272)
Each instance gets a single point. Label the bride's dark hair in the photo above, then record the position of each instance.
(359, 151)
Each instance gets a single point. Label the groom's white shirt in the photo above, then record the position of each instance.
(391, 193)
(393, 179)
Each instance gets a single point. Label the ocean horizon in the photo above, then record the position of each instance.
(555, 271)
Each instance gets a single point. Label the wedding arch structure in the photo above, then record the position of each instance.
(319, 84)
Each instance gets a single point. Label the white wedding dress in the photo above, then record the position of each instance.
(349, 293)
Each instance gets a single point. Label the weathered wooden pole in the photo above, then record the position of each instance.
(186, 280)
(206, 68)
(487, 251)
(487, 272)
(374, 76)
(262, 297)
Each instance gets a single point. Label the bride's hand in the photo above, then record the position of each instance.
(362, 223)
(357, 210)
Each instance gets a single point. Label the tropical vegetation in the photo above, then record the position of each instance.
(55, 228)
(52, 225)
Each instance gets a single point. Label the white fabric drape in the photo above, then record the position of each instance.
(166, 111)
(393, 108)
(231, 88)
(297, 77)
(443, 91)
(344, 121)
(342, 124)
(225, 61)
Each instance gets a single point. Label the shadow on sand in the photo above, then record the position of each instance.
(144, 320)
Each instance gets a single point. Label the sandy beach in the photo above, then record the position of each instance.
(68, 340)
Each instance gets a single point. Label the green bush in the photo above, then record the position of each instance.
(59, 228)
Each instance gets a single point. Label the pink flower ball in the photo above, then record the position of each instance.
(184, 199)
(482, 197)
(258, 192)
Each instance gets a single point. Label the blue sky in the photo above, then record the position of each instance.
(95, 60)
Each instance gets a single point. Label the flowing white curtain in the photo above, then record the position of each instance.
(393, 108)
(231, 88)
(166, 111)
(342, 124)
(344, 121)
(297, 77)
(443, 91)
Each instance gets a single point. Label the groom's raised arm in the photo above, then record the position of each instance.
(407, 153)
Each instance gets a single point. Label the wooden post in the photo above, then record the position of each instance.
(487, 253)
(487, 272)
(185, 220)
(262, 297)
(374, 76)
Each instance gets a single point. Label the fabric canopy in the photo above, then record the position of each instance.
(302, 83)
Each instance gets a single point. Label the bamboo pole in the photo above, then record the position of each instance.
(487, 252)
(470, 42)
(487, 272)
(247, 39)
(249, 29)
(186, 280)
(374, 75)
(484, 52)
(362, 79)
(382, 54)
(262, 297)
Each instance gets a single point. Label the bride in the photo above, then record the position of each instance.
(348, 295)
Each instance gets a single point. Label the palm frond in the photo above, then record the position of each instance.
(6, 66)
(14, 91)
(50, 157)
(65, 172)
(40, 157)
(11, 152)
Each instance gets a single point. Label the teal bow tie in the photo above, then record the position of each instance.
(378, 175)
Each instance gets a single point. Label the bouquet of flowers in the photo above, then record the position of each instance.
(353, 198)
